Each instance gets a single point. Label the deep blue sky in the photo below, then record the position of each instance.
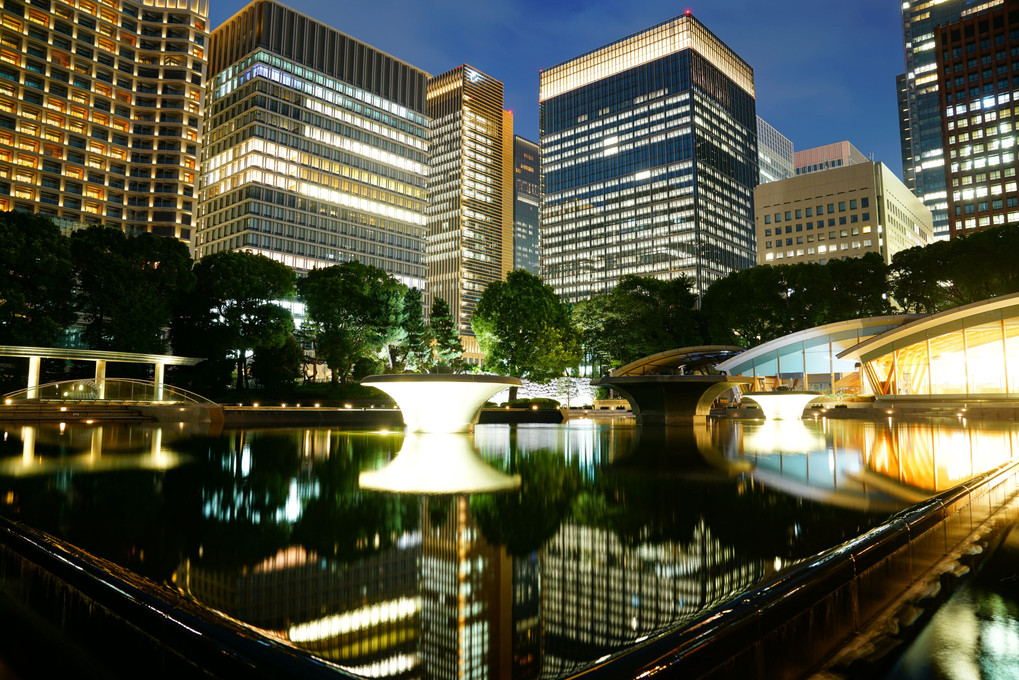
(824, 69)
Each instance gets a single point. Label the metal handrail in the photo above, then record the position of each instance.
(129, 390)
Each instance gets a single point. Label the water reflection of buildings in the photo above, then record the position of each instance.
(868, 465)
(363, 615)
(600, 596)
(466, 590)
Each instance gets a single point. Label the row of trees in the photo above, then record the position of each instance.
(126, 291)
(642, 315)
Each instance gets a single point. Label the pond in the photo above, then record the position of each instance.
(614, 533)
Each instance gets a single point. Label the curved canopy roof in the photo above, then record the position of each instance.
(96, 355)
(699, 360)
(1003, 307)
(813, 350)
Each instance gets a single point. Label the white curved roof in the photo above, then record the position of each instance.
(1002, 307)
(813, 350)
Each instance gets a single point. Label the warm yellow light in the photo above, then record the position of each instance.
(318, 405)
(371, 616)
(255, 404)
(63, 408)
(347, 406)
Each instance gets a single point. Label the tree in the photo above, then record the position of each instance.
(239, 290)
(746, 307)
(946, 274)
(128, 287)
(448, 350)
(35, 280)
(642, 315)
(524, 329)
(278, 368)
(415, 353)
(356, 311)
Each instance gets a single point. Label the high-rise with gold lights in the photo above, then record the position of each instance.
(101, 106)
(316, 147)
(470, 215)
(648, 161)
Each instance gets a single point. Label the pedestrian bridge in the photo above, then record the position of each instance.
(676, 386)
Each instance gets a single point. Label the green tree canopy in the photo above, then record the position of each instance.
(356, 311)
(642, 315)
(762, 303)
(239, 290)
(524, 329)
(128, 287)
(448, 350)
(946, 274)
(415, 353)
(35, 280)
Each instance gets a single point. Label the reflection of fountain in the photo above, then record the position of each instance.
(440, 403)
(438, 464)
(782, 405)
(815, 460)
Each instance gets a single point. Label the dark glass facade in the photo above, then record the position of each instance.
(648, 170)
(923, 158)
(526, 200)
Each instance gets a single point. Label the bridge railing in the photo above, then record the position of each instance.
(788, 626)
(126, 390)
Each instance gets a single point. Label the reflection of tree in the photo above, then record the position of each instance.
(523, 520)
(346, 523)
(759, 523)
(243, 506)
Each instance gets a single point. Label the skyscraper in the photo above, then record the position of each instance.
(978, 79)
(923, 162)
(649, 160)
(774, 153)
(470, 215)
(101, 107)
(526, 202)
(316, 147)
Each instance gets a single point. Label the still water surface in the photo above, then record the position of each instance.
(615, 534)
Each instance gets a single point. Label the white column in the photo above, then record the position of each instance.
(33, 377)
(160, 366)
(100, 378)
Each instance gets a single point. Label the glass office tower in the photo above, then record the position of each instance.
(101, 106)
(648, 161)
(526, 199)
(316, 147)
(470, 217)
(923, 159)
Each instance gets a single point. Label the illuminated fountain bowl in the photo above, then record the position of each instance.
(782, 405)
(438, 464)
(440, 402)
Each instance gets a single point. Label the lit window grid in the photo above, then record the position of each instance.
(76, 105)
(925, 151)
(256, 162)
(681, 33)
(582, 257)
(978, 133)
(465, 216)
(333, 90)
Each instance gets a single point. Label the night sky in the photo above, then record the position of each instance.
(824, 69)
